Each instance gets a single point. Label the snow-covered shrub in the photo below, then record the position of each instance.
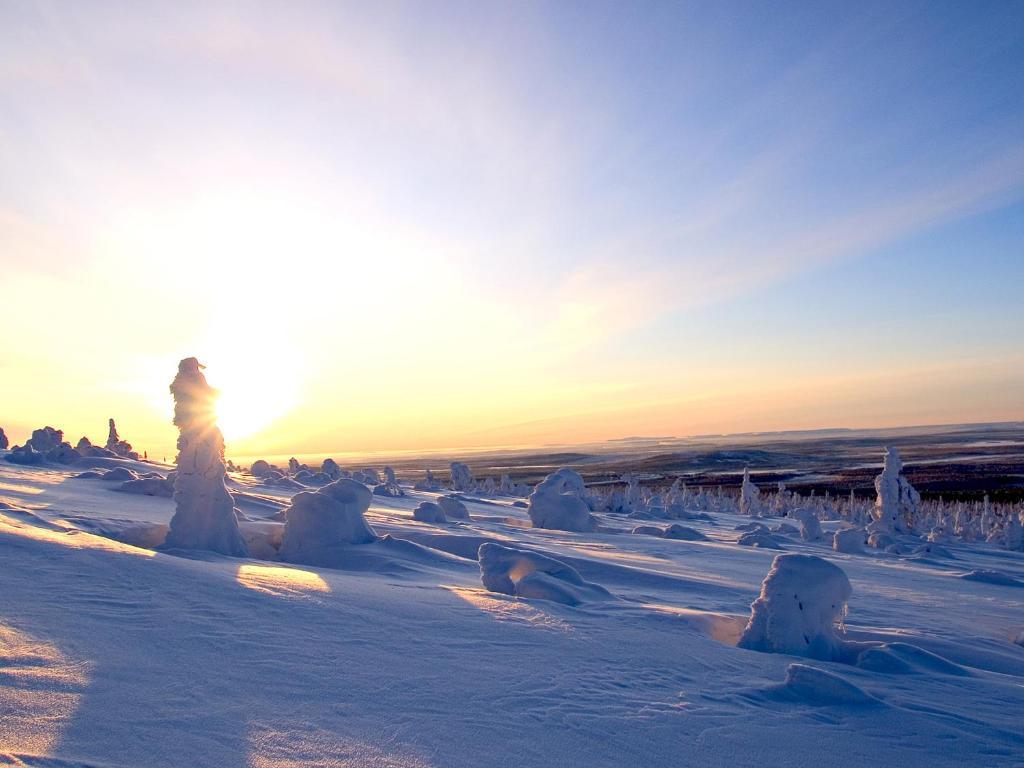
(390, 486)
(896, 505)
(317, 523)
(557, 503)
(529, 574)
(810, 526)
(204, 517)
(117, 446)
(462, 478)
(750, 503)
(428, 483)
(331, 469)
(802, 598)
(850, 541)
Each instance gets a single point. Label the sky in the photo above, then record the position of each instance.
(400, 226)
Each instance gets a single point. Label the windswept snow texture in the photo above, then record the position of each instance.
(611, 650)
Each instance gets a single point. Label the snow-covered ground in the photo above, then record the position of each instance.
(112, 654)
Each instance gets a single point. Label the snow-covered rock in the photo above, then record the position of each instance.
(532, 575)
(318, 523)
(556, 503)
(204, 515)
(4, 442)
(802, 598)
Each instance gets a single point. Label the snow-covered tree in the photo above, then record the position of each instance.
(205, 515)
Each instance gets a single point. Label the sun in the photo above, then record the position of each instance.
(253, 392)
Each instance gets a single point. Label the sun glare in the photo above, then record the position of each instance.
(253, 393)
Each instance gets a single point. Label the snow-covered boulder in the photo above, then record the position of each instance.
(317, 523)
(648, 530)
(453, 507)
(429, 512)
(849, 541)
(557, 503)
(529, 574)
(462, 478)
(802, 598)
(204, 515)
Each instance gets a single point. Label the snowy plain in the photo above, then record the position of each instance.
(113, 654)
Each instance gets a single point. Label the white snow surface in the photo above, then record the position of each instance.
(113, 654)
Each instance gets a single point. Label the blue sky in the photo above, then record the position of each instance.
(605, 218)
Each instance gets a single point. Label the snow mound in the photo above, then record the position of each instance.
(674, 531)
(556, 503)
(932, 550)
(529, 574)
(811, 685)
(317, 523)
(149, 486)
(906, 659)
(119, 475)
(759, 539)
(683, 533)
(802, 598)
(453, 507)
(849, 541)
(986, 576)
(429, 512)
